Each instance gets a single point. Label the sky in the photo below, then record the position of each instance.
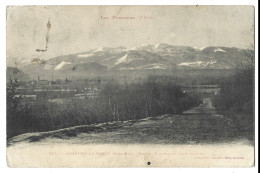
(75, 29)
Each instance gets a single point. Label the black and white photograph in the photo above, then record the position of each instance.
(130, 86)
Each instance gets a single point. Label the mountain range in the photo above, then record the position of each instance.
(160, 57)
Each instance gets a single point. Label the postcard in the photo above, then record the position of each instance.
(130, 86)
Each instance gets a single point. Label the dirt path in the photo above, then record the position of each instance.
(198, 125)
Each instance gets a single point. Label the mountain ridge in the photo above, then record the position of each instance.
(162, 56)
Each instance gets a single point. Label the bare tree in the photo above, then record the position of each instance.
(247, 62)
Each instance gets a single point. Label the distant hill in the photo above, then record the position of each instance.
(14, 73)
(160, 57)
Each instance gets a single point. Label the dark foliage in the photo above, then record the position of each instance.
(115, 103)
(236, 99)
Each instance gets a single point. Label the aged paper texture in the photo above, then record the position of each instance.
(130, 86)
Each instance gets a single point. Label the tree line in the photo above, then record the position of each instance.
(116, 102)
(236, 99)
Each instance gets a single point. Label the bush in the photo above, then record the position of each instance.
(115, 103)
(236, 101)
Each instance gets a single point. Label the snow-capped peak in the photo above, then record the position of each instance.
(219, 50)
(157, 45)
(59, 66)
(121, 60)
(99, 49)
(156, 66)
(196, 63)
(27, 60)
(132, 48)
(199, 48)
(85, 55)
(144, 45)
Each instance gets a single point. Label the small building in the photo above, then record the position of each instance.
(42, 82)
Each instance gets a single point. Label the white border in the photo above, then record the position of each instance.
(4, 3)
